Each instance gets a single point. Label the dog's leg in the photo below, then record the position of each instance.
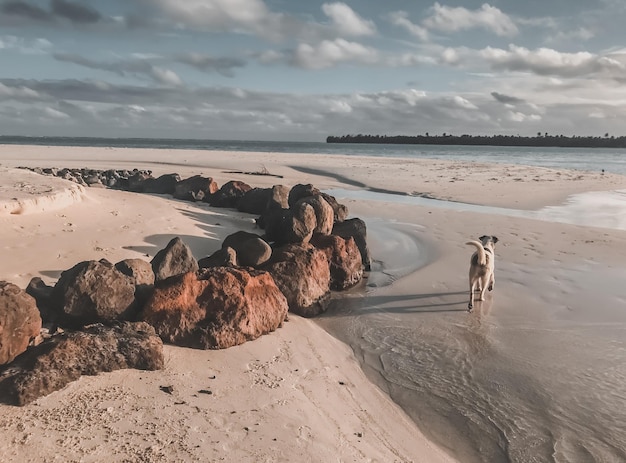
(483, 288)
(470, 306)
(492, 281)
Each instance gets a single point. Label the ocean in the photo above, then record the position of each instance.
(596, 159)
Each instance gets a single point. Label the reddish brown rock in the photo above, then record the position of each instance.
(195, 188)
(230, 194)
(302, 273)
(324, 214)
(340, 210)
(355, 228)
(20, 321)
(215, 308)
(92, 292)
(64, 357)
(344, 257)
(300, 191)
(176, 258)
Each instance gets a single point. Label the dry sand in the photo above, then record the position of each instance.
(297, 394)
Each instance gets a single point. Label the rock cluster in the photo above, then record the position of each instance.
(100, 316)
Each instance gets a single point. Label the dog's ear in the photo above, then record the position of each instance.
(484, 237)
(495, 239)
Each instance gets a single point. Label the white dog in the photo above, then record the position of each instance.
(482, 267)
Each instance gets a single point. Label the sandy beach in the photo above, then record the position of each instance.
(397, 370)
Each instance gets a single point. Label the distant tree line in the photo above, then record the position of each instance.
(542, 140)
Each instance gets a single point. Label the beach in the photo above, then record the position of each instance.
(396, 370)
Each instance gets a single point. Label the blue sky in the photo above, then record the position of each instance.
(302, 70)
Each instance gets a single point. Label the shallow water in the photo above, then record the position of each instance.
(540, 382)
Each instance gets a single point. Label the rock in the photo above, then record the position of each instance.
(341, 211)
(195, 188)
(254, 201)
(43, 297)
(344, 258)
(175, 259)
(355, 228)
(290, 225)
(137, 181)
(300, 191)
(215, 308)
(230, 194)
(163, 185)
(64, 357)
(224, 257)
(279, 198)
(302, 273)
(324, 214)
(20, 321)
(251, 250)
(92, 292)
(141, 274)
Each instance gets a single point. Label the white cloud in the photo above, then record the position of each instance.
(23, 45)
(331, 52)
(401, 19)
(165, 76)
(454, 19)
(347, 21)
(55, 114)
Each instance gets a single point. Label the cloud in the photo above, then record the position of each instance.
(454, 19)
(75, 12)
(347, 21)
(17, 8)
(135, 67)
(401, 19)
(222, 65)
(506, 99)
(26, 46)
(331, 52)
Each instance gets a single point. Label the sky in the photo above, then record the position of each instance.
(302, 70)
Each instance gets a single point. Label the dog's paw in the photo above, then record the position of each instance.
(470, 306)
(490, 288)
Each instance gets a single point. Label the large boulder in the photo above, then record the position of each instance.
(165, 184)
(251, 250)
(223, 257)
(141, 274)
(279, 198)
(20, 321)
(195, 188)
(215, 308)
(340, 210)
(254, 201)
(92, 292)
(64, 357)
(355, 228)
(302, 273)
(344, 258)
(137, 181)
(176, 258)
(295, 225)
(300, 191)
(324, 214)
(230, 194)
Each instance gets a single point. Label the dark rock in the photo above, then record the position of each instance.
(295, 225)
(251, 250)
(175, 259)
(215, 308)
(344, 257)
(163, 185)
(43, 297)
(137, 181)
(92, 292)
(302, 273)
(341, 211)
(279, 198)
(64, 357)
(300, 191)
(230, 194)
(355, 228)
(195, 188)
(224, 257)
(20, 321)
(141, 274)
(254, 201)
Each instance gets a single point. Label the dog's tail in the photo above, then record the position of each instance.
(482, 256)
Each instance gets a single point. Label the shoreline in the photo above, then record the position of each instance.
(436, 289)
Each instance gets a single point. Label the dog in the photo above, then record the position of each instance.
(482, 267)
